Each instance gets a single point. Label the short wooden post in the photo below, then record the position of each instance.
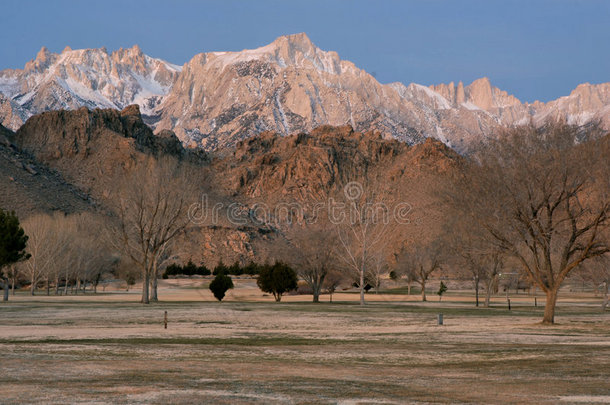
(165, 319)
(535, 301)
(509, 304)
(440, 319)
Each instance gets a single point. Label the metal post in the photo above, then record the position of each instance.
(440, 319)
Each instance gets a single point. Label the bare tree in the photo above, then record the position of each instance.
(379, 268)
(492, 265)
(332, 281)
(127, 271)
(313, 257)
(402, 269)
(533, 194)
(597, 273)
(13, 274)
(362, 218)
(419, 261)
(481, 260)
(49, 240)
(152, 211)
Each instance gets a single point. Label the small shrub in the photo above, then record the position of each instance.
(220, 285)
(441, 290)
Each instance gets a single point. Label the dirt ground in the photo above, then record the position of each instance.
(107, 348)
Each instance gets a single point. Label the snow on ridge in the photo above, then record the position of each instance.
(413, 93)
(85, 93)
(441, 102)
(580, 118)
(9, 86)
(470, 106)
(321, 60)
(169, 66)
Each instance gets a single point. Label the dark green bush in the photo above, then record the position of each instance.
(220, 285)
(277, 279)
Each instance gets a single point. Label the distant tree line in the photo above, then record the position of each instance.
(191, 269)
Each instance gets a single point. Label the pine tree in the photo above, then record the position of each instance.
(13, 242)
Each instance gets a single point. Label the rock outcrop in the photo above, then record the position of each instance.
(28, 186)
(92, 148)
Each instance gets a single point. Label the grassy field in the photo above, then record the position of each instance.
(109, 349)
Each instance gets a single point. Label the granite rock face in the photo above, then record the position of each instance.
(288, 86)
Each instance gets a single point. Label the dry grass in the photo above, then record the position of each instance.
(109, 349)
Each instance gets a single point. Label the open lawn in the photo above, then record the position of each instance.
(110, 349)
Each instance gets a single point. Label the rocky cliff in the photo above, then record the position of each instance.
(28, 186)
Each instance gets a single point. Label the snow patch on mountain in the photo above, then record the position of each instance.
(91, 78)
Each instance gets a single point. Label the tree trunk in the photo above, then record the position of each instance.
(362, 287)
(331, 296)
(488, 294)
(423, 290)
(33, 285)
(96, 281)
(316, 294)
(153, 287)
(66, 286)
(5, 287)
(145, 288)
(153, 280)
(13, 284)
(605, 293)
(409, 287)
(48, 286)
(57, 284)
(476, 290)
(549, 307)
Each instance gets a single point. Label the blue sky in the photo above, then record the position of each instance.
(536, 50)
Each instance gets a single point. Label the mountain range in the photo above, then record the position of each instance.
(289, 86)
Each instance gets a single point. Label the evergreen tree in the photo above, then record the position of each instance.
(441, 290)
(13, 242)
(220, 268)
(220, 285)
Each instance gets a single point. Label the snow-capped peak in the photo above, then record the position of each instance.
(89, 77)
(295, 50)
